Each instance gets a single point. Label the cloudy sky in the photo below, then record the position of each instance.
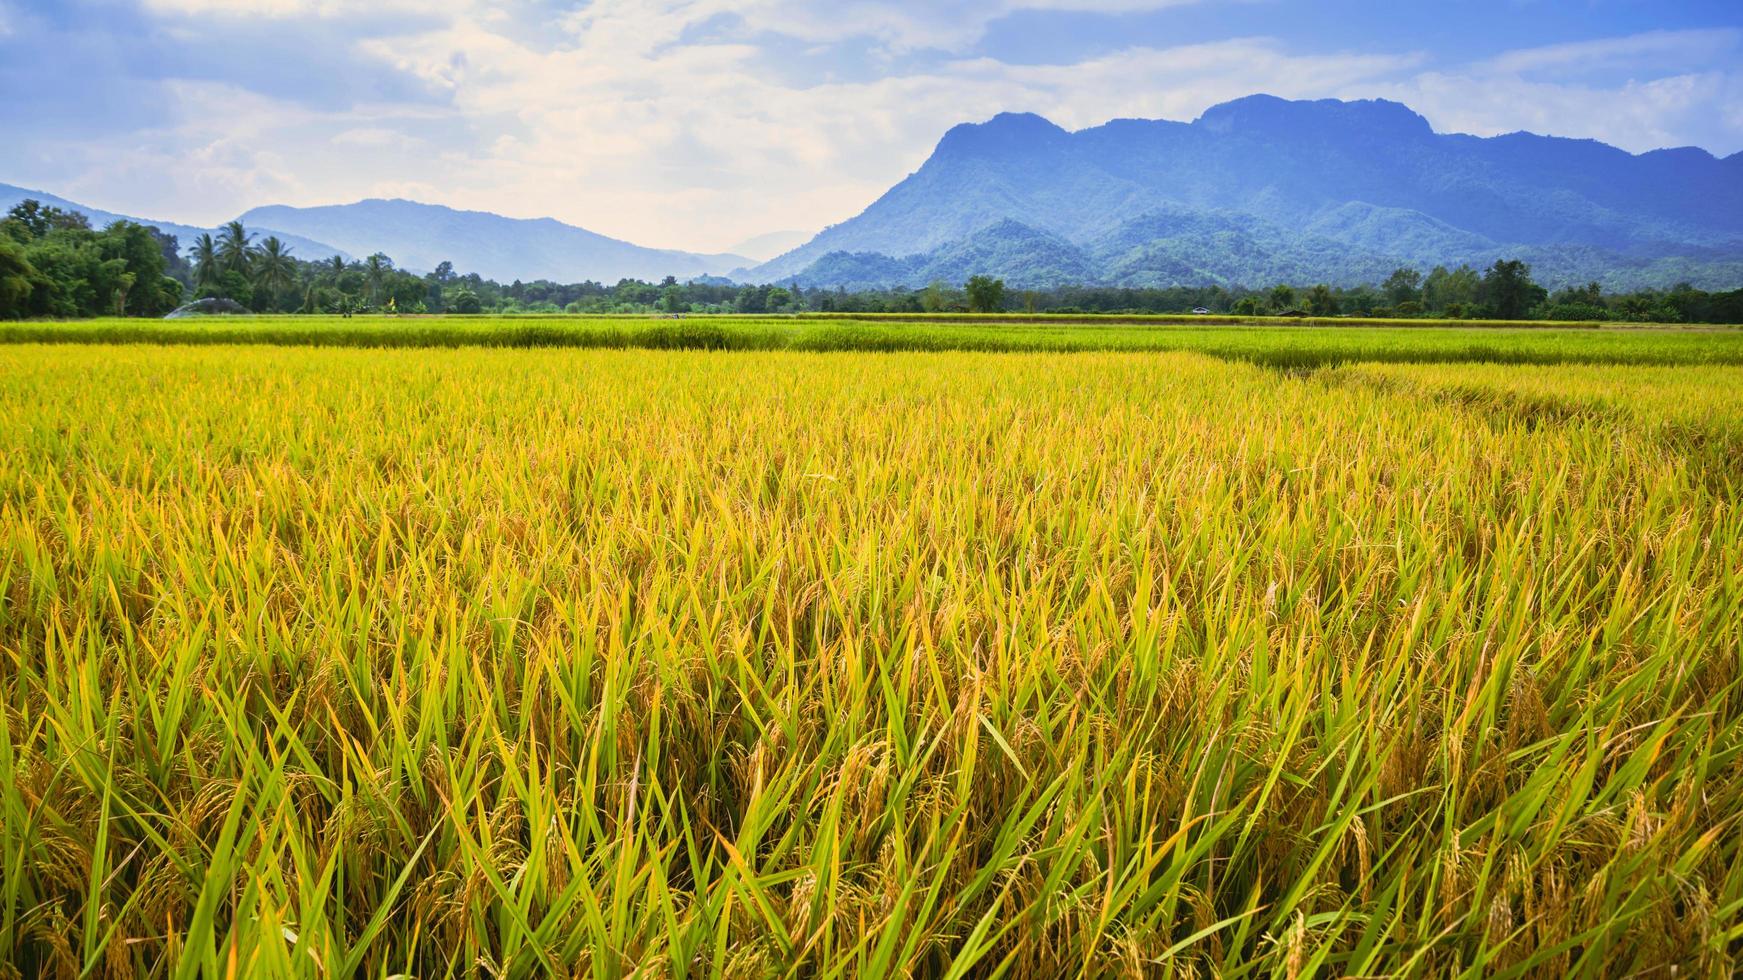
(698, 123)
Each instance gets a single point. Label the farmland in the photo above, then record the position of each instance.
(1264, 340)
(869, 648)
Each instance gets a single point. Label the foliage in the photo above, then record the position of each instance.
(68, 270)
(1507, 290)
(985, 294)
(37, 220)
(274, 271)
(464, 301)
(270, 279)
(1404, 285)
(235, 249)
(18, 279)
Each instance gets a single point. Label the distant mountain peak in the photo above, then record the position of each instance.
(1264, 189)
(1011, 226)
(1005, 133)
(1268, 113)
(303, 248)
(419, 236)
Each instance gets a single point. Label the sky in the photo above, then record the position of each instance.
(696, 124)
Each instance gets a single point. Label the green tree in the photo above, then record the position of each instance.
(932, 298)
(985, 294)
(232, 285)
(1577, 303)
(18, 279)
(1403, 286)
(464, 300)
(1508, 291)
(39, 219)
(206, 266)
(1321, 301)
(235, 249)
(375, 270)
(1282, 298)
(752, 299)
(68, 268)
(274, 271)
(1443, 289)
(138, 283)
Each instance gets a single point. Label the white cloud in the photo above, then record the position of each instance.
(1617, 90)
(1677, 110)
(616, 119)
(700, 145)
(285, 9)
(944, 25)
(1649, 50)
(375, 136)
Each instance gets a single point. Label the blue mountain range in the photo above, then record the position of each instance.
(1264, 190)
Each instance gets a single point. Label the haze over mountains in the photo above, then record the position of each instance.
(421, 236)
(418, 237)
(185, 234)
(1254, 192)
(1263, 190)
(769, 245)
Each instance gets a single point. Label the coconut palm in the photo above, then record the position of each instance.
(205, 254)
(235, 248)
(375, 269)
(274, 269)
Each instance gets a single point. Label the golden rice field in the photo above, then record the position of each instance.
(324, 663)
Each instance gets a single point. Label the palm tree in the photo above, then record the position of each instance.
(205, 261)
(336, 265)
(235, 248)
(376, 268)
(123, 283)
(274, 269)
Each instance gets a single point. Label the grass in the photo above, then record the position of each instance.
(327, 662)
(1276, 344)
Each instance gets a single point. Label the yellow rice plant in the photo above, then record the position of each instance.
(333, 663)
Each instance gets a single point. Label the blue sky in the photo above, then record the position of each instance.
(698, 123)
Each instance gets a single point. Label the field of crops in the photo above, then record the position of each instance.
(480, 662)
(1276, 343)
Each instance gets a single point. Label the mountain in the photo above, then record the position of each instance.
(1263, 189)
(1036, 258)
(302, 248)
(765, 247)
(421, 236)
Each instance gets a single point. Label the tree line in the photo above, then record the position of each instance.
(53, 264)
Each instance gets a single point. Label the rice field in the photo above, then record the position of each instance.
(1272, 342)
(324, 662)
